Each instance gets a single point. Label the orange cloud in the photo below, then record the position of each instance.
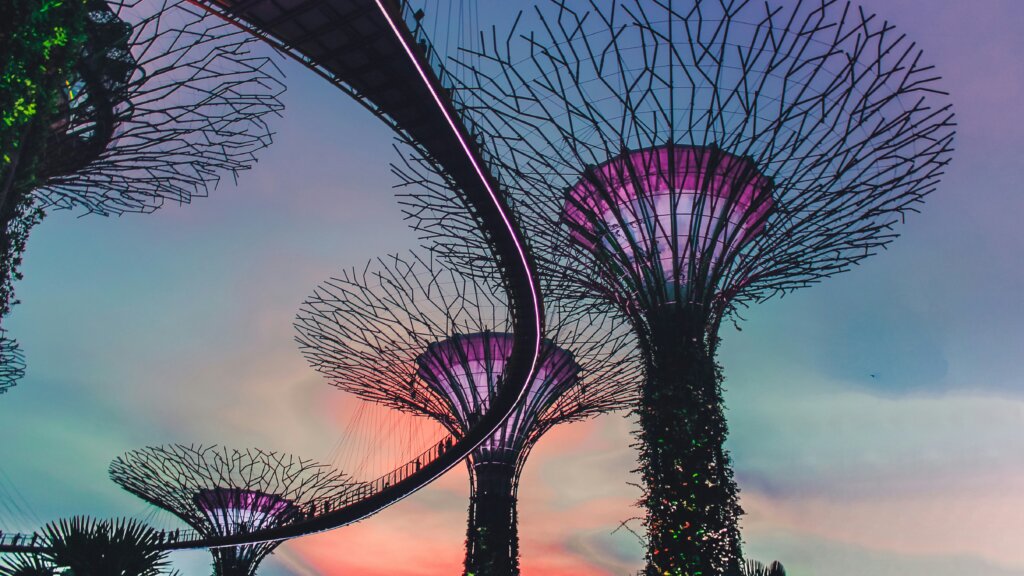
(573, 495)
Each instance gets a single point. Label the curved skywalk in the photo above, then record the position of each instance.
(368, 50)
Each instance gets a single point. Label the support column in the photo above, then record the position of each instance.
(492, 537)
(238, 560)
(691, 499)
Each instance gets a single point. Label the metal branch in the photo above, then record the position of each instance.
(220, 492)
(830, 104)
(166, 101)
(12, 362)
(365, 329)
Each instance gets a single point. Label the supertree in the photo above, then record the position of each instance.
(410, 334)
(222, 492)
(12, 362)
(682, 160)
(116, 107)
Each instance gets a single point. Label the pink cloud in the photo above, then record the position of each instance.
(980, 519)
(559, 536)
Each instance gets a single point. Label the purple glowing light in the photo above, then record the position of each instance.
(683, 206)
(467, 371)
(235, 510)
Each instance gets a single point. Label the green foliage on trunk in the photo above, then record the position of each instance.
(40, 40)
(690, 497)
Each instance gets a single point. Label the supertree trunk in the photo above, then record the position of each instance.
(226, 565)
(227, 562)
(690, 496)
(40, 43)
(492, 538)
(17, 217)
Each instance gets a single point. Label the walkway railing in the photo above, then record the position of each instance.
(20, 539)
(183, 537)
(447, 78)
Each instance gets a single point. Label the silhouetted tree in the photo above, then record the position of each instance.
(91, 547)
(755, 568)
(26, 565)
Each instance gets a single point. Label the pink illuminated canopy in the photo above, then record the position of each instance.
(679, 210)
(235, 509)
(466, 370)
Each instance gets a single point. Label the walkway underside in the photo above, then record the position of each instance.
(350, 43)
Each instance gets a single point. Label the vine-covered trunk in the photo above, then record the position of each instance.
(40, 40)
(492, 538)
(10, 198)
(236, 561)
(17, 217)
(690, 497)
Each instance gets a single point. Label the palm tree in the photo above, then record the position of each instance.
(90, 547)
(26, 565)
(755, 568)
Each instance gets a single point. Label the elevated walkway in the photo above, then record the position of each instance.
(367, 49)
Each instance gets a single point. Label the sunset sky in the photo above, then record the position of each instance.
(876, 420)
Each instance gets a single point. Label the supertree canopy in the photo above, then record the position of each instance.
(222, 492)
(149, 102)
(96, 82)
(413, 335)
(668, 219)
(187, 102)
(683, 159)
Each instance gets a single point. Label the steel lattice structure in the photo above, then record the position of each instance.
(12, 362)
(162, 101)
(684, 159)
(223, 492)
(174, 99)
(410, 334)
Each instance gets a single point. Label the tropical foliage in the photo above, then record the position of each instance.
(90, 547)
(754, 568)
(26, 565)
(39, 40)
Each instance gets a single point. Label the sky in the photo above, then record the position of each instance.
(876, 420)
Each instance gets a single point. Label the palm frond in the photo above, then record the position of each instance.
(755, 568)
(91, 547)
(26, 565)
